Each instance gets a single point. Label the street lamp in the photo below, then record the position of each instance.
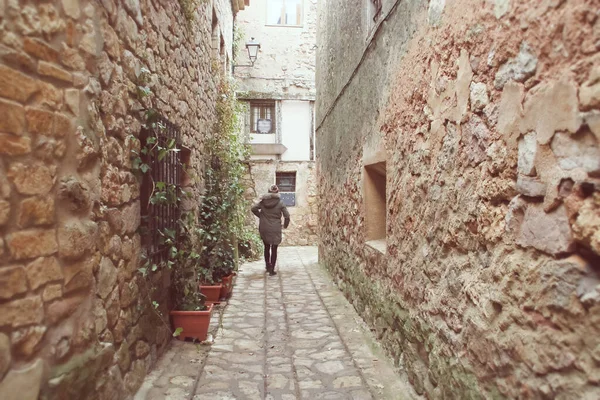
(252, 46)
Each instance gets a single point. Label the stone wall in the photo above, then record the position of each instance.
(488, 119)
(302, 230)
(76, 319)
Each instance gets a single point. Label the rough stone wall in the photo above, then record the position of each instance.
(75, 317)
(489, 287)
(302, 230)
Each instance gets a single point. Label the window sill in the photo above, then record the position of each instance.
(380, 245)
(284, 26)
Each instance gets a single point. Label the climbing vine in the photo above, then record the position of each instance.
(223, 211)
(204, 245)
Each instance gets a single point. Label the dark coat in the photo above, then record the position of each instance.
(269, 211)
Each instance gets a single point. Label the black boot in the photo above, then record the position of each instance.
(272, 270)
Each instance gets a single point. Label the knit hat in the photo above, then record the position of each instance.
(273, 189)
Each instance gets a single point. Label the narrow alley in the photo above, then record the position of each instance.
(291, 336)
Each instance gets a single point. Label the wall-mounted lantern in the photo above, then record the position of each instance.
(252, 46)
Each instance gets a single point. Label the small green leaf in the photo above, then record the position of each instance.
(144, 168)
(177, 332)
(155, 304)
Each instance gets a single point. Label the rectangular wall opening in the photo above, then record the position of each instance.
(375, 205)
(286, 182)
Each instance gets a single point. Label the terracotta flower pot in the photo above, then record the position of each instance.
(227, 287)
(211, 292)
(194, 323)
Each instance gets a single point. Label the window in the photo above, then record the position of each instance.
(286, 182)
(262, 117)
(284, 12)
(375, 205)
(159, 186)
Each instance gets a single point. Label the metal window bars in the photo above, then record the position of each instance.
(160, 214)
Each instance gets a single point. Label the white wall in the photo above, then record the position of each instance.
(263, 138)
(296, 130)
(286, 62)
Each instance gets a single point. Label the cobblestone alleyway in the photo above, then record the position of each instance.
(292, 336)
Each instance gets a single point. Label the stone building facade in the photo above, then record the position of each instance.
(76, 319)
(459, 156)
(279, 90)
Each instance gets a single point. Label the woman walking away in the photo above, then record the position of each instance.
(269, 211)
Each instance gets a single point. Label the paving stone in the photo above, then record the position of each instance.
(288, 345)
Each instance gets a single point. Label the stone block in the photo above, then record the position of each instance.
(32, 178)
(63, 126)
(52, 292)
(122, 327)
(32, 243)
(5, 356)
(12, 281)
(4, 212)
(42, 271)
(129, 293)
(49, 149)
(527, 154)
(530, 186)
(557, 281)
(131, 216)
(72, 59)
(72, 100)
(135, 377)
(577, 151)
(54, 71)
(23, 384)
(25, 311)
(476, 138)
(61, 309)
(100, 319)
(75, 194)
(107, 277)
(547, 232)
(27, 341)
(81, 281)
(133, 7)
(517, 69)
(71, 8)
(12, 145)
(479, 96)
(19, 60)
(40, 121)
(49, 96)
(113, 307)
(76, 238)
(36, 211)
(124, 357)
(15, 85)
(40, 49)
(589, 92)
(13, 117)
(142, 349)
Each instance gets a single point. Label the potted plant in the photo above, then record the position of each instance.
(191, 317)
(224, 268)
(207, 285)
(192, 312)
